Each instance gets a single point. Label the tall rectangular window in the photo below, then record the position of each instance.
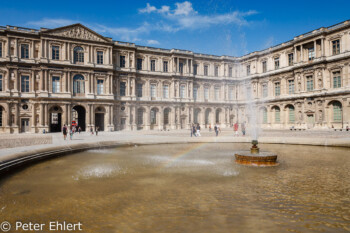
(166, 91)
(181, 68)
(309, 83)
(277, 63)
(139, 89)
(165, 66)
(290, 59)
(195, 67)
(24, 51)
(153, 65)
(99, 57)
(311, 53)
(122, 61)
(153, 90)
(122, 88)
(265, 116)
(182, 91)
(277, 89)
(55, 84)
(195, 92)
(55, 53)
(99, 87)
(291, 86)
(277, 115)
(0, 82)
(217, 93)
(216, 71)
(139, 64)
(205, 70)
(248, 70)
(24, 83)
(265, 90)
(335, 47)
(264, 66)
(206, 93)
(336, 79)
(230, 71)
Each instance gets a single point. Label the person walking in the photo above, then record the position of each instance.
(243, 129)
(79, 129)
(216, 130)
(194, 130)
(64, 130)
(97, 128)
(235, 128)
(71, 133)
(92, 130)
(198, 131)
(210, 128)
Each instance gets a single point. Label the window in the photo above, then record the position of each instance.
(181, 68)
(277, 89)
(99, 57)
(78, 54)
(337, 111)
(153, 117)
(78, 84)
(140, 116)
(165, 66)
(206, 93)
(122, 88)
(265, 90)
(99, 86)
(217, 93)
(24, 51)
(248, 70)
(195, 67)
(291, 114)
(336, 79)
(311, 53)
(216, 71)
(166, 91)
(25, 83)
(139, 64)
(182, 91)
(309, 83)
(291, 86)
(335, 47)
(264, 113)
(195, 92)
(166, 116)
(55, 53)
(153, 65)
(153, 90)
(230, 93)
(139, 89)
(55, 84)
(264, 66)
(205, 70)
(277, 63)
(122, 61)
(290, 59)
(277, 115)
(0, 82)
(230, 71)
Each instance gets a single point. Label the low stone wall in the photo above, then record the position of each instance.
(19, 140)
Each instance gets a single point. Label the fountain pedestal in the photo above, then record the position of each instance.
(256, 158)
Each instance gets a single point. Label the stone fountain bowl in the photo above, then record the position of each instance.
(260, 159)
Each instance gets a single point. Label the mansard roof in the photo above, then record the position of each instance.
(77, 31)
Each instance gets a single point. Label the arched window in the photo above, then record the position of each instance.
(337, 111)
(140, 116)
(78, 84)
(277, 114)
(196, 114)
(153, 116)
(78, 54)
(291, 114)
(1, 116)
(166, 116)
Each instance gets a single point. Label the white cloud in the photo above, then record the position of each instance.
(147, 9)
(152, 42)
(184, 8)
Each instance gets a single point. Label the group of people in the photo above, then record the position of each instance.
(72, 129)
(196, 130)
(235, 129)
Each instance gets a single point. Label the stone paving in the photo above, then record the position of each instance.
(308, 137)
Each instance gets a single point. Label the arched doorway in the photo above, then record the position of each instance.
(291, 113)
(140, 113)
(336, 114)
(55, 119)
(277, 114)
(100, 118)
(78, 117)
(196, 115)
(166, 118)
(153, 117)
(217, 116)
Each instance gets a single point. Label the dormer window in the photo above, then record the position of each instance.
(78, 55)
(24, 51)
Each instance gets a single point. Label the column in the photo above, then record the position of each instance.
(33, 81)
(8, 80)
(33, 115)
(8, 117)
(301, 53)
(46, 80)
(16, 48)
(69, 83)
(8, 47)
(66, 111)
(46, 115)
(148, 118)
(322, 47)
(315, 49)
(16, 81)
(16, 115)
(161, 118)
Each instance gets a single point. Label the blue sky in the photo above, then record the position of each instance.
(219, 27)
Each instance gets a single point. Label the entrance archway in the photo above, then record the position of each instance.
(55, 119)
(78, 116)
(100, 118)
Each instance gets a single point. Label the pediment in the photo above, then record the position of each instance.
(77, 31)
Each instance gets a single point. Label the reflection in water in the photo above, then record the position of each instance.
(185, 188)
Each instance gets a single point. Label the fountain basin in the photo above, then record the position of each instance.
(256, 159)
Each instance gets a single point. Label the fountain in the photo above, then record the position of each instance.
(256, 158)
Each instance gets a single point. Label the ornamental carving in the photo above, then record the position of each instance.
(77, 32)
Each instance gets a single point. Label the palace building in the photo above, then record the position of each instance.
(73, 75)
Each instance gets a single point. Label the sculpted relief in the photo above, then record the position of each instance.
(78, 33)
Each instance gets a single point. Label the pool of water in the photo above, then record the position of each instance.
(184, 188)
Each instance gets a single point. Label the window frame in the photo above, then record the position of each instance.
(99, 57)
(24, 53)
(100, 88)
(25, 83)
(56, 84)
(55, 53)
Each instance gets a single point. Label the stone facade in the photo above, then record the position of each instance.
(51, 77)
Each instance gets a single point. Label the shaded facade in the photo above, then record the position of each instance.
(72, 75)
